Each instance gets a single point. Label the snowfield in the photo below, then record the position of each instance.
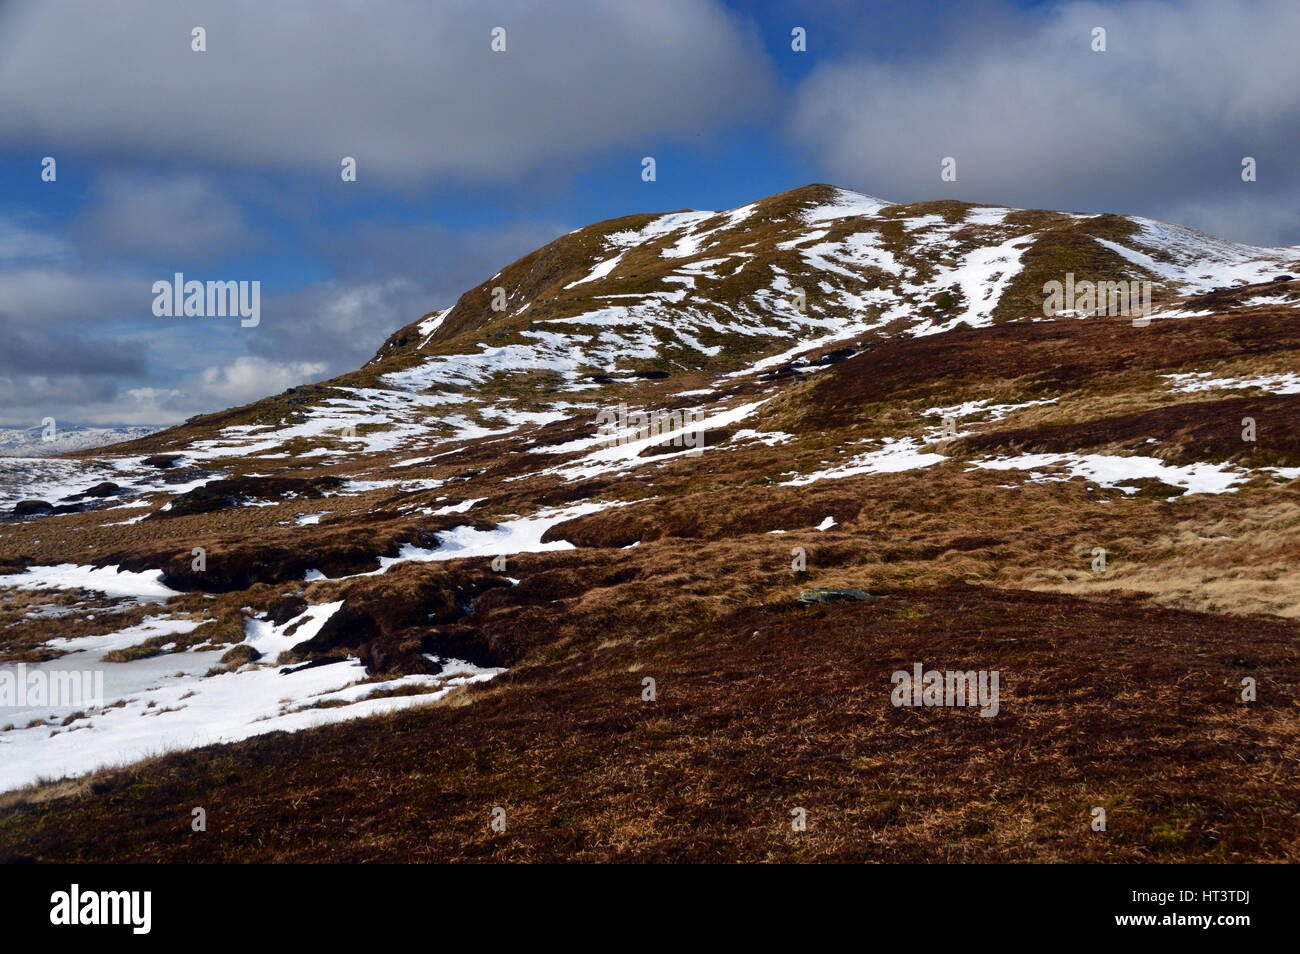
(188, 712)
(146, 586)
(166, 703)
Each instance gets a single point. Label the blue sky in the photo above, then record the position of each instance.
(224, 164)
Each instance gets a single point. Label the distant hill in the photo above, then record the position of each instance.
(18, 441)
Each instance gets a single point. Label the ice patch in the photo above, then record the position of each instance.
(1197, 381)
(191, 712)
(146, 585)
(894, 457)
(1110, 471)
(845, 203)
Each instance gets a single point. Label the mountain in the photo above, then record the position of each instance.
(766, 459)
(20, 441)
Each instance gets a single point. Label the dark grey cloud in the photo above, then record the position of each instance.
(35, 351)
(388, 276)
(65, 355)
(74, 398)
(186, 217)
(39, 296)
(1157, 124)
(73, 374)
(412, 90)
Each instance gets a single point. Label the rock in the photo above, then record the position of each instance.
(233, 492)
(241, 655)
(162, 461)
(32, 508)
(390, 624)
(784, 371)
(382, 658)
(186, 475)
(312, 664)
(1283, 278)
(105, 489)
(823, 595)
(285, 608)
(836, 356)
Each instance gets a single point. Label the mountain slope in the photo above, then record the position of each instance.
(456, 522)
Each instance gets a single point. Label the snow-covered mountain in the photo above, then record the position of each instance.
(750, 287)
(723, 294)
(29, 441)
(877, 382)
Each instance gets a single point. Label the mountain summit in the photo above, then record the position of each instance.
(711, 291)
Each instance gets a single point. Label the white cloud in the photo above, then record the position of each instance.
(22, 244)
(1034, 117)
(411, 90)
(249, 378)
(77, 399)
